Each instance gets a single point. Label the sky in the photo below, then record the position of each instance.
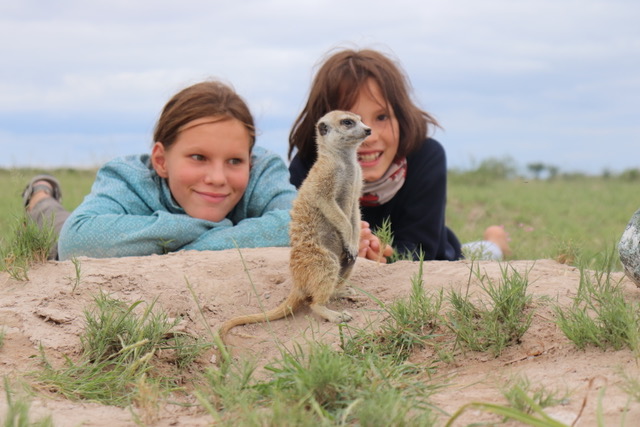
(532, 81)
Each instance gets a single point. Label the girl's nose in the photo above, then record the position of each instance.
(215, 175)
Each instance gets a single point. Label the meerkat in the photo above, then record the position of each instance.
(325, 223)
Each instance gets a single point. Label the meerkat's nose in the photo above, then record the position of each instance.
(367, 131)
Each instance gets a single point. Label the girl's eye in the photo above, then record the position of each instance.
(382, 117)
(198, 157)
(235, 161)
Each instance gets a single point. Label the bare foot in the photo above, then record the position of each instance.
(40, 194)
(496, 234)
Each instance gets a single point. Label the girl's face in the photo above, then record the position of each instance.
(378, 151)
(207, 167)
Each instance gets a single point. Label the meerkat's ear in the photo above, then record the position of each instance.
(323, 129)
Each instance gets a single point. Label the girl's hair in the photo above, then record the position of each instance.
(336, 86)
(206, 99)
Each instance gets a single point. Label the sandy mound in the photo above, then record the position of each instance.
(44, 311)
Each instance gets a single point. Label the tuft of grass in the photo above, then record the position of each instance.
(17, 413)
(409, 324)
(498, 324)
(112, 326)
(319, 386)
(385, 234)
(121, 349)
(600, 314)
(29, 245)
(335, 385)
(567, 252)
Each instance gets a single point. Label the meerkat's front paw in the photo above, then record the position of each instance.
(349, 255)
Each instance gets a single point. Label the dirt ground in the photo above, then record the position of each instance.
(44, 311)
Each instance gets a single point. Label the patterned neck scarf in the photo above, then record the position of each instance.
(381, 191)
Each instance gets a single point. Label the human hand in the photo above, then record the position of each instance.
(370, 245)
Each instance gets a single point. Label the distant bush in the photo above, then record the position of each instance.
(630, 175)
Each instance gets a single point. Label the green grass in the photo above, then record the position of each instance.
(544, 218)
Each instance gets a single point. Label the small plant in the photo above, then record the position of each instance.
(385, 234)
(521, 387)
(30, 244)
(229, 387)
(147, 399)
(165, 245)
(630, 385)
(493, 326)
(75, 280)
(17, 413)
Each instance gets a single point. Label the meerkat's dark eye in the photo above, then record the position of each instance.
(347, 122)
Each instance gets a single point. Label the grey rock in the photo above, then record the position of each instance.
(629, 249)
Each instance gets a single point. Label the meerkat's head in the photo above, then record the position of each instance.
(341, 128)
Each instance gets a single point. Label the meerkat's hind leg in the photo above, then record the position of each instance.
(330, 315)
(324, 286)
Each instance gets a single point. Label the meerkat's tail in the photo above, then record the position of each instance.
(288, 306)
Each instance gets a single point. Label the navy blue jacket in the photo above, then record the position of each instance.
(417, 211)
